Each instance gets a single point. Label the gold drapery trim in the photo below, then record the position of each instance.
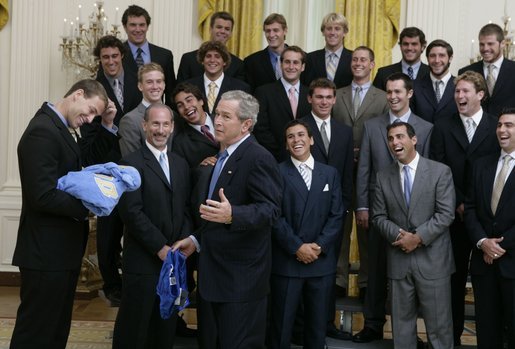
(4, 13)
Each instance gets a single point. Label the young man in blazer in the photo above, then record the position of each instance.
(304, 241)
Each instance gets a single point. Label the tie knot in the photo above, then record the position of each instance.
(139, 51)
(506, 160)
(292, 90)
(222, 155)
(359, 89)
(490, 67)
(396, 121)
(212, 84)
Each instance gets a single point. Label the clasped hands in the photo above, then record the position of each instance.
(492, 250)
(407, 241)
(308, 252)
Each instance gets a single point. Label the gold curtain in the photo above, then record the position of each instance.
(373, 23)
(247, 32)
(4, 13)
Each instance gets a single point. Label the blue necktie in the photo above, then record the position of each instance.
(163, 161)
(216, 172)
(407, 184)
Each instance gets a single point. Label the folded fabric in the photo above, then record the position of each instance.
(100, 186)
(172, 287)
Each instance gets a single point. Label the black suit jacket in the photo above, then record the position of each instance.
(157, 213)
(190, 67)
(51, 234)
(228, 84)
(503, 95)
(424, 104)
(235, 259)
(449, 145)
(315, 68)
(482, 223)
(274, 113)
(258, 69)
(384, 72)
(341, 152)
(193, 146)
(164, 58)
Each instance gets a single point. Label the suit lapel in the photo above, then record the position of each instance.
(346, 97)
(488, 183)
(395, 185)
(65, 132)
(419, 182)
(153, 164)
(317, 185)
(458, 132)
(448, 94)
(296, 180)
(281, 93)
(482, 131)
(317, 137)
(507, 192)
(428, 92)
(385, 120)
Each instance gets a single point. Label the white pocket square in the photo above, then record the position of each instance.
(326, 188)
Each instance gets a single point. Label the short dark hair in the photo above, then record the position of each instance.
(321, 83)
(275, 18)
(217, 46)
(296, 122)
(413, 32)
(297, 49)
(223, 15)
(507, 110)
(91, 88)
(408, 83)
(368, 49)
(108, 41)
(156, 106)
(135, 11)
(409, 129)
(187, 87)
(439, 43)
(492, 29)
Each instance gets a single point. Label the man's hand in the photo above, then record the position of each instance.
(362, 219)
(308, 253)
(407, 241)
(492, 249)
(210, 160)
(218, 212)
(186, 246)
(460, 210)
(109, 114)
(163, 252)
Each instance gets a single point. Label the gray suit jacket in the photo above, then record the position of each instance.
(430, 213)
(373, 104)
(374, 154)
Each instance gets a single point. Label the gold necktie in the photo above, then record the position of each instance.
(499, 183)
(211, 96)
(490, 79)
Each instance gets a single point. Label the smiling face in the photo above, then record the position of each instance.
(152, 86)
(81, 110)
(213, 64)
(221, 30)
(298, 142)
(111, 61)
(489, 48)
(158, 127)
(292, 66)
(411, 49)
(334, 35)
(468, 100)
(190, 108)
(322, 102)
(401, 145)
(136, 29)
(506, 132)
(398, 97)
(361, 66)
(275, 36)
(439, 61)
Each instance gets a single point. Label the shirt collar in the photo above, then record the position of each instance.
(287, 85)
(415, 66)
(404, 118)
(155, 151)
(319, 121)
(208, 123)
(338, 52)
(144, 48)
(310, 162)
(120, 78)
(233, 147)
(412, 165)
(476, 117)
(218, 81)
(364, 87)
(497, 63)
(445, 78)
(61, 116)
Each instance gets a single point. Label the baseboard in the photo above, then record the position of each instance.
(9, 278)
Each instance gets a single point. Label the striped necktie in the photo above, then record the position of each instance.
(331, 66)
(304, 173)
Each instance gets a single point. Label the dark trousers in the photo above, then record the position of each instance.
(109, 235)
(139, 324)
(45, 313)
(238, 325)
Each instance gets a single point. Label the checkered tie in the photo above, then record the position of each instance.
(331, 66)
(499, 183)
(410, 73)
(211, 96)
(139, 58)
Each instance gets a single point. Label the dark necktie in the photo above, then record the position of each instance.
(410, 73)
(407, 184)
(139, 58)
(216, 172)
(209, 135)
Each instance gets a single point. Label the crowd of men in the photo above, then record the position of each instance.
(256, 170)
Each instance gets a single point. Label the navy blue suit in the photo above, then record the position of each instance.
(316, 68)
(307, 216)
(384, 72)
(259, 69)
(424, 104)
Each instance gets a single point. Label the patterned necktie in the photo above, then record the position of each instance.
(499, 183)
(356, 102)
(216, 172)
(139, 58)
(163, 161)
(211, 96)
(438, 91)
(73, 132)
(209, 135)
(407, 184)
(410, 73)
(490, 79)
(325, 139)
(331, 66)
(293, 100)
(118, 92)
(469, 128)
(277, 68)
(304, 172)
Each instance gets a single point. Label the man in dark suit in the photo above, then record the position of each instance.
(498, 71)
(355, 104)
(220, 29)
(332, 146)
(450, 144)
(215, 58)
(281, 101)
(304, 241)
(333, 61)
(136, 21)
(263, 67)
(433, 94)
(374, 155)
(412, 209)
(491, 226)
(243, 202)
(155, 216)
(53, 228)
(412, 42)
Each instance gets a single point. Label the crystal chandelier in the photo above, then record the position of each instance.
(79, 40)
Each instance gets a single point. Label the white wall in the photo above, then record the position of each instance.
(30, 63)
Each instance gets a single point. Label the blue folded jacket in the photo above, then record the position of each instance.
(100, 186)
(172, 287)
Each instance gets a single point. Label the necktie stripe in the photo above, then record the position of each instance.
(499, 183)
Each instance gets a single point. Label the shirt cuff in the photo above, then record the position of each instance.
(362, 209)
(480, 242)
(113, 130)
(195, 241)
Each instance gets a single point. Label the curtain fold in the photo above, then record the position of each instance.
(4, 13)
(248, 16)
(373, 23)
